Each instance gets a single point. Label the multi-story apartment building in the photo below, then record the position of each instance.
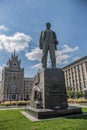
(28, 83)
(76, 75)
(0, 90)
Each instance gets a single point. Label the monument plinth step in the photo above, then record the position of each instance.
(48, 113)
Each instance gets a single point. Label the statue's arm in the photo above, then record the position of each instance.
(55, 38)
(41, 40)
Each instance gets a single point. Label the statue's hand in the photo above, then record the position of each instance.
(41, 47)
(56, 42)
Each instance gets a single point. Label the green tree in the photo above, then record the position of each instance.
(73, 94)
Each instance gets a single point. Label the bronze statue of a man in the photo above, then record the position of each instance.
(48, 42)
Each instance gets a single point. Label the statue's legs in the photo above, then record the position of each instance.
(44, 57)
(52, 55)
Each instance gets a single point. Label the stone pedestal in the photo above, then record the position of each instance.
(50, 85)
(48, 98)
(49, 113)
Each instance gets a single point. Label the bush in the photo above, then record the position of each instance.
(72, 94)
(71, 100)
(13, 103)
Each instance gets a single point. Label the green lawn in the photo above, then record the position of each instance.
(14, 120)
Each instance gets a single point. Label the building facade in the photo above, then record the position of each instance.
(13, 85)
(12, 80)
(0, 90)
(76, 75)
(28, 83)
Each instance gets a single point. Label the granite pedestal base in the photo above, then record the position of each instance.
(49, 91)
(48, 113)
(48, 97)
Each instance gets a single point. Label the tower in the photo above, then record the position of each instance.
(13, 79)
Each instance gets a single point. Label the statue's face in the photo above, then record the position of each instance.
(48, 26)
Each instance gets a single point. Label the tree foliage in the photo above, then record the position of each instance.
(73, 94)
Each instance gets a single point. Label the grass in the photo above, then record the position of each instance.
(14, 120)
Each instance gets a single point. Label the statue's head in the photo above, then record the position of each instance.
(48, 25)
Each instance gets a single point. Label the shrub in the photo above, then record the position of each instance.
(72, 94)
(6, 103)
(71, 100)
(11, 103)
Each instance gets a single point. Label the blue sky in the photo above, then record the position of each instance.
(21, 22)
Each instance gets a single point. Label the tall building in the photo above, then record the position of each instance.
(76, 75)
(12, 87)
(28, 83)
(0, 91)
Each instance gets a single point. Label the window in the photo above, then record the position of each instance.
(27, 96)
(14, 64)
(14, 97)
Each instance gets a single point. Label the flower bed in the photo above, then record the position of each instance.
(14, 103)
(71, 100)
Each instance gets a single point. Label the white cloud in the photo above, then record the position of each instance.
(19, 41)
(65, 62)
(39, 65)
(62, 56)
(67, 49)
(35, 54)
(76, 58)
(3, 28)
(1, 47)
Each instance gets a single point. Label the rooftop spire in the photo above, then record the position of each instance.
(14, 52)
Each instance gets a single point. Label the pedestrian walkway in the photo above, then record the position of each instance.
(11, 107)
(32, 118)
(23, 107)
(77, 105)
